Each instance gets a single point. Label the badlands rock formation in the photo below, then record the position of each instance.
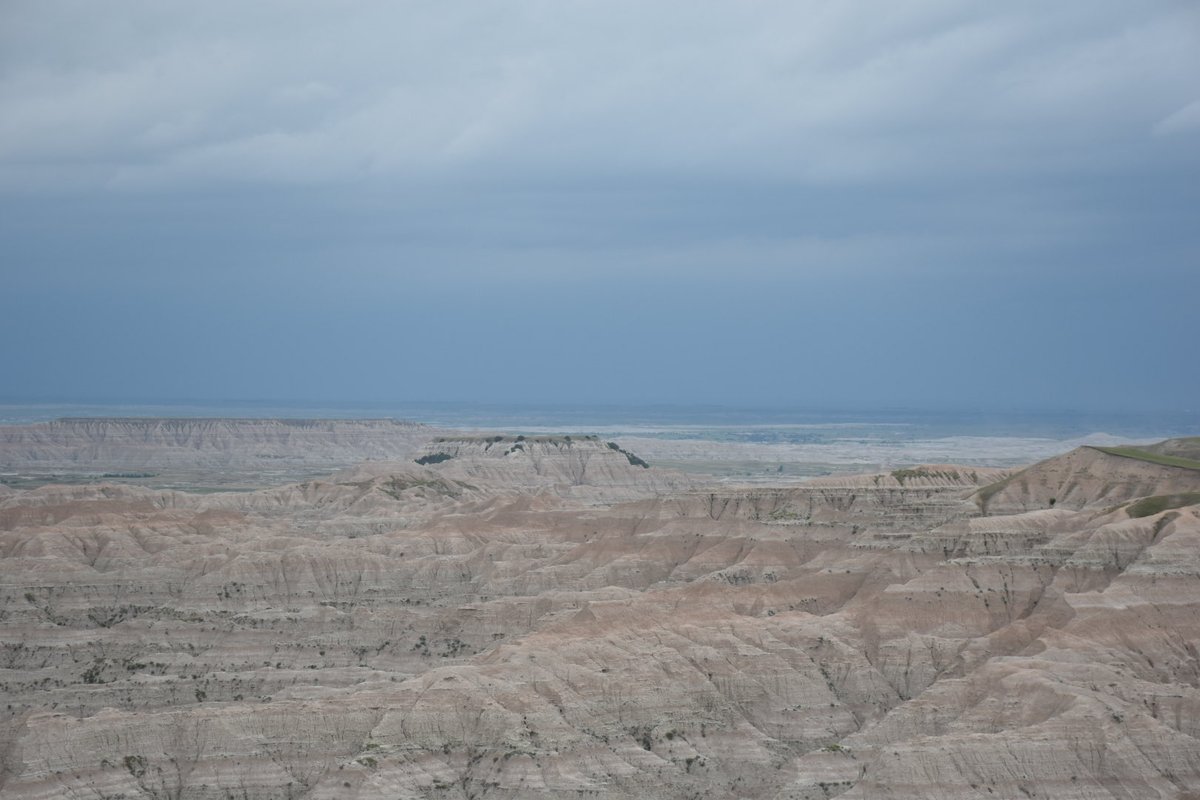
(581, 466)
(467, 627)
(1092, 476)
(214, 451)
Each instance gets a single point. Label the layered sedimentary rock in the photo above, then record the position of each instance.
(433, 631)
(580, 466)
(211, 450)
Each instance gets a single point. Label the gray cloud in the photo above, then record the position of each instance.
(906, 202)
(152, 95)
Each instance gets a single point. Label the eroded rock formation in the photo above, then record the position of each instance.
(473, 630)
(206, 451)
(580, 466)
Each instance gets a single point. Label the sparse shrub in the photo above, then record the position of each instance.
(92, 673)
(633, 460)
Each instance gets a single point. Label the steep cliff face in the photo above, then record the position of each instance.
(417, 634)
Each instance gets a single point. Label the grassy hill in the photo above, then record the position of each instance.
(1164, 453)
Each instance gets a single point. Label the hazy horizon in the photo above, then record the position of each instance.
(705, 421)
(764, 407)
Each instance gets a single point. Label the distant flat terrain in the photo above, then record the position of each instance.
(195, 452)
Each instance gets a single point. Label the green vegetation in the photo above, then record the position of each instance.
(1185, 447)
(633, 460)
(396, 487)
(433, 458)
(1153, 458)
(93, 674)
(136, 765)
(1149, 506)
(985, 494)
(901, 475)
(453, 648)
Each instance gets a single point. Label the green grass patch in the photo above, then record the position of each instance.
(902, 475)
(633, 460)
(1153, 458)
(1186, 447)
(433, 458)
(396, 487)
(1149, 506)
(985, 494)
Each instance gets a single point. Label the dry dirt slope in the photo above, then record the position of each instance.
(416, 633)
(1096, 476)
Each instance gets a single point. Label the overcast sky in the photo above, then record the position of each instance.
(811, 204)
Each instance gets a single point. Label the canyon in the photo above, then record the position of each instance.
(395, 611)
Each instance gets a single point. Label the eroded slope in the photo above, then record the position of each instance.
(434, 633)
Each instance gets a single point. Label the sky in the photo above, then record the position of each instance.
(808, 203)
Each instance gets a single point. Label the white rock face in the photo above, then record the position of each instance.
(480, 627)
